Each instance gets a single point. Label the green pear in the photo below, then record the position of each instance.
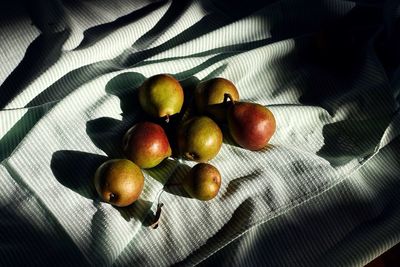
(146, 144)
(202, 182)
(199, 139)
(210, 95)
(119, 182)
(161, 96)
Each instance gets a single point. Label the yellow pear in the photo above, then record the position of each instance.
(161, 96)
(199, 139)
(210, 97)
(119, 182)
(202, 182)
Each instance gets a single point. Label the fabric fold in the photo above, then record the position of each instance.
(329, 172)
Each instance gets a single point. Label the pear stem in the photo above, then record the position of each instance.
(228, 98)
(190, 156)
(156, 218)
(156, 221)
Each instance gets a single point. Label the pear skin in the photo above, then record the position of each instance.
(161, 96)
(146, 144)
(251, 125)
(202, 182)
(119, 182)
(209, 97)
(199, 139)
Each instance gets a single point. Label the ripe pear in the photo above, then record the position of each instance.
(202, 182)
(251, 125)
(209, 97)
(199, 139)
(161, 96)
(119, 182)
(146, 144)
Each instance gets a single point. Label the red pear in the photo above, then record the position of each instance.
(146, 144)
(251, 125)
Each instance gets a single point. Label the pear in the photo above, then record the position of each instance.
(119, 182)
(199, 139)
(146, 144)
(202, 182)
(161, 96)
(251, 125)
(209, 97)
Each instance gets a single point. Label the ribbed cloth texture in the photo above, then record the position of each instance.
(324, 193)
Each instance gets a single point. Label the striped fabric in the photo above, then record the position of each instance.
(324, 193)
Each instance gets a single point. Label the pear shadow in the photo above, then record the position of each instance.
(125, 87)
(189, 85)
(174, 184)
(107, 133)
(75, 170)
(266, 148)
(158, 172)
(234, 147)
(138, 210)
(149, 219)
(236, 183)
(346, 140)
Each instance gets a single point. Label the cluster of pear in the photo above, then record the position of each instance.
(197, 138)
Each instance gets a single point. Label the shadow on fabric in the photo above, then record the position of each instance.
(43, 52)
(96, 33)
(40, 247)
(297, 233)
(215, 19)
(75, 170)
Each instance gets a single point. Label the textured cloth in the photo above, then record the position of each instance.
(324, 193)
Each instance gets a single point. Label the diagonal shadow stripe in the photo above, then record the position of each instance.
(76, 78)
(97, 33)
(42, 53)
(175, 10)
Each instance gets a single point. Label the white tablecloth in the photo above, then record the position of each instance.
(325, 193)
